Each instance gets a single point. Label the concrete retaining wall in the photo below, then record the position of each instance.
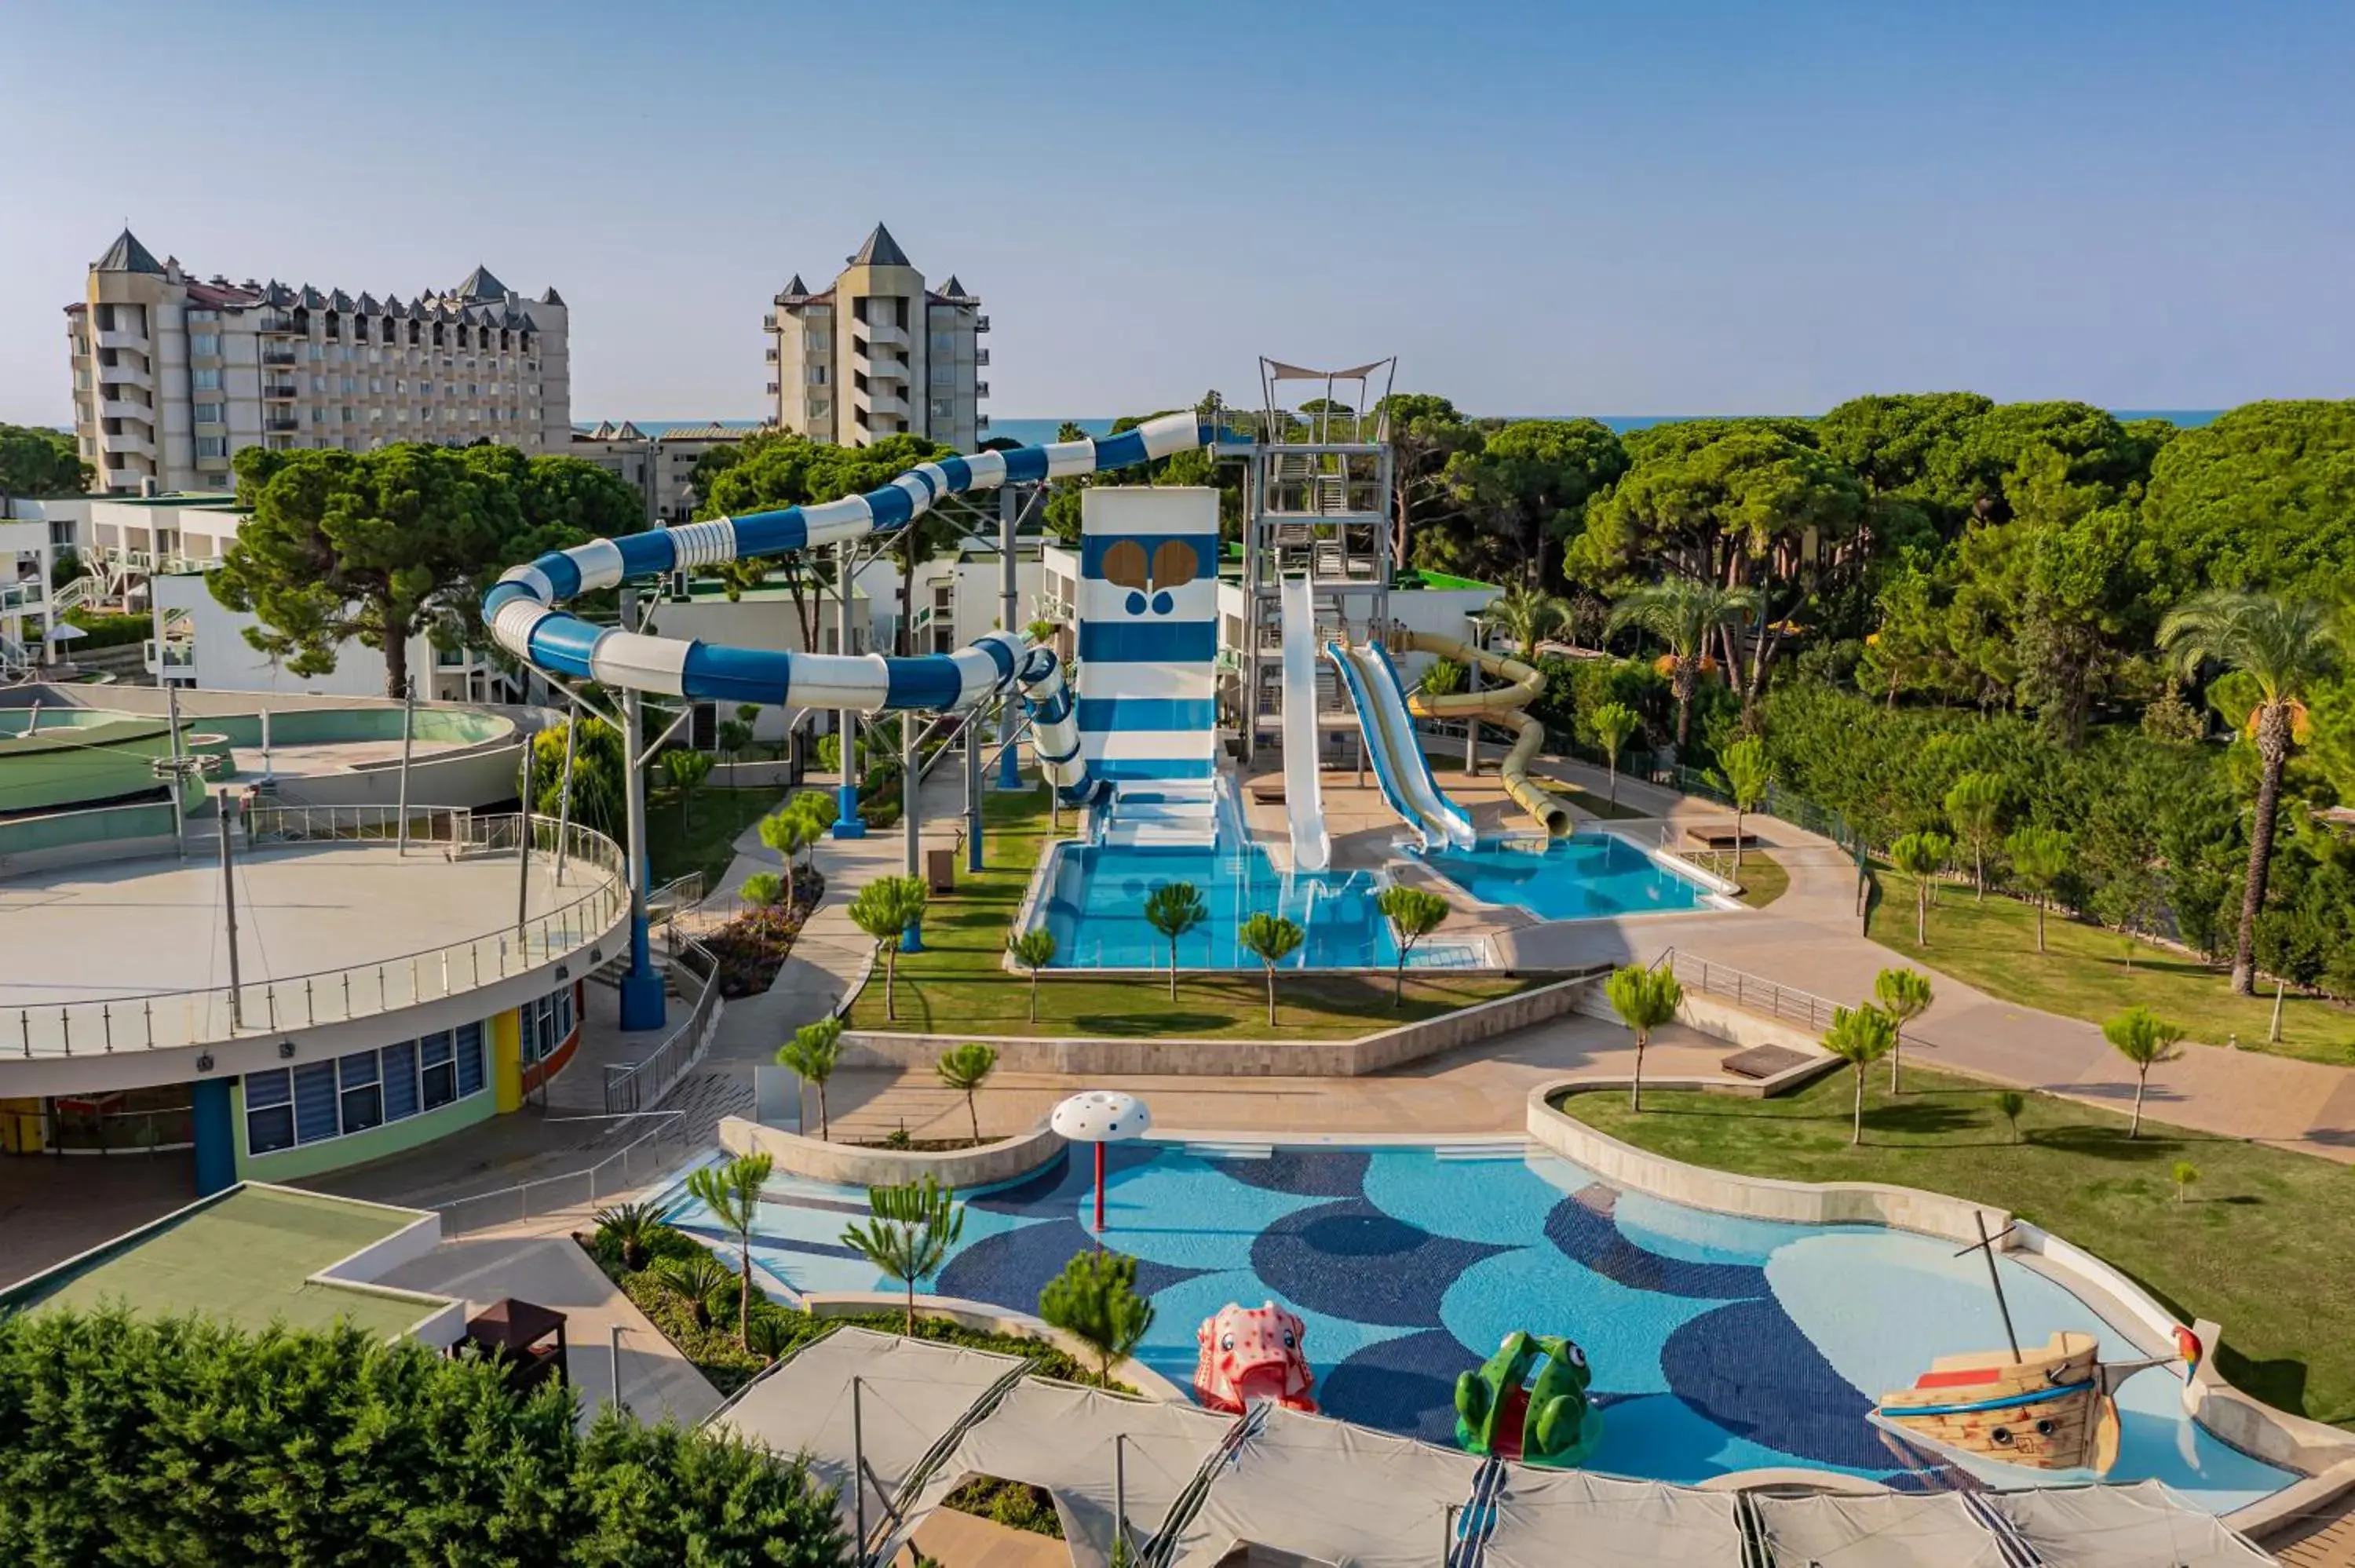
(1235, 1058)
(1756, 1197)
(849, 1165)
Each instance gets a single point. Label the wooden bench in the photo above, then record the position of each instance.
(1763, 1061)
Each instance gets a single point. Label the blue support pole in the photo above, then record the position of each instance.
(643, 1005)
(216, 1135)
(847, 823)
(1009, 518)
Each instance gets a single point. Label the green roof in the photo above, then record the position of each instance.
(1417, 578)
(244, 1258)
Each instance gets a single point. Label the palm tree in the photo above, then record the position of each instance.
(1860, 1036)
(2285, 647)
(1271, 938)
(1034, 949)
(1918, 856)
(2039, 857)
(964, 1069)
(632, 1228)
(1974, 810)
(1905, 995)
(812, 1053)
(1413, 914)
(1527, 615)
(910, 1233)
(695, 1279)
(1173, 909)
(1613, 724)
(732, 1192)
(1643, 1000)
(1748, 776)
(2145, 1039)
(884, 909)
(1684, 614)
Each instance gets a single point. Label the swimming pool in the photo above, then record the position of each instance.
(1718, 1344)
(1582, 877)
(1093, 901)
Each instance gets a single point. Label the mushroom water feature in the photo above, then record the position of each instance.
(1101, 1116)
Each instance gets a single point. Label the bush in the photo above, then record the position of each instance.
(173, 1441)
(104, 630)
(753, 946)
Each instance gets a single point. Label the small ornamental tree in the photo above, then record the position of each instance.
(1748, 776)
(686, 769)
(1271, 938)
(734, 737)
(1644, 998)
(1174, 909)
(1974, 810)
(1860, 1036)
(2186, 1174)
(965, 1068)
(885, 909)
(731, 1191)
(2145, 1039)
(1415, 913)
(1613, 723)
(630, 1227)
(1905, 995)
(1095, 1301)
(2011, 1103)
(1034, 949)
(2039, 857)
(763, 889)
(788, 832)
(910, 1230)
(1918, 856)
(695, 1279)
(812, 1053)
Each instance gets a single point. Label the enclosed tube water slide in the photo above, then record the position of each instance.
(1504, 706)
(521, 609)
(1312, 844)
(1400, 769)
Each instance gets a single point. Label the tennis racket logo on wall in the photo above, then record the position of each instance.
(1150, 581)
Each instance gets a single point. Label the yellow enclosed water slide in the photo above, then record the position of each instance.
(1504, 706)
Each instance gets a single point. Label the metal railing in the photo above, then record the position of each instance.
(642, 1085)
(643, 1158)
(167, 1020)
(1752, 994)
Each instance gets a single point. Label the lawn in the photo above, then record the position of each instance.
(704, 839)
(956, 984)
(2261, 1248)
(1586, 800)
(1763, 878)
(2084, 973)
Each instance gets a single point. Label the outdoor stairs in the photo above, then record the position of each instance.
(1178, 812)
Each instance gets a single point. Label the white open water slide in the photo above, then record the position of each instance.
(1400, 766)
(1312, 844)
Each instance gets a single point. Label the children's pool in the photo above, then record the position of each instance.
(1718, 1343)
(1094, 903)
(1582, 877)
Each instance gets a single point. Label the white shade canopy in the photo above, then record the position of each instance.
(1102, 1116)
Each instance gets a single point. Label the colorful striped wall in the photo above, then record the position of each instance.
(1148, 633)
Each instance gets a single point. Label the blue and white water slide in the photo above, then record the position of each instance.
(521, 609)
(1400, 766)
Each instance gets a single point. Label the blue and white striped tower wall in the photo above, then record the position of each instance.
(1148, 633)
(521, 609)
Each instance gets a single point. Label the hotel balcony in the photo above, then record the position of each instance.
(882, 335)
(773, 389)
(769, 322)
(981, 323)
(880, 367)
(134, 341)
(281, 422)
(124, 376)
(119, 408)
(981, 357)
(882, 403)
(276, 323)
(981, 388)
(278, 353)
(126, 444)
(282, 390)
(770, 354)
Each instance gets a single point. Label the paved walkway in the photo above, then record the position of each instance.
(1808, 940)
(540, 1263)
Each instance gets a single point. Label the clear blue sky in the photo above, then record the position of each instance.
(1625, 208)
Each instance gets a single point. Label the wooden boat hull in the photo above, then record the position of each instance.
(2048, 1410)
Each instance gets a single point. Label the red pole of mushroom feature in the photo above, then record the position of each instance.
(1100, 1116)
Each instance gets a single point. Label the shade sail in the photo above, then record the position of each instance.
(1568, 1518)
(1085, 1447)
(911, 1395)
(1887, 1530)
(2142, 1525)
(1330, 1492)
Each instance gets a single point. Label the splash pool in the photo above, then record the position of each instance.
(1093, 901)
(1585, 876)
(1718, 1344)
